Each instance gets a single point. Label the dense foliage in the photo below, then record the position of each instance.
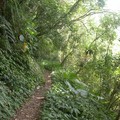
(18, 78)
(71, 99)
(20, 73)
(84, 47)
(62, 36)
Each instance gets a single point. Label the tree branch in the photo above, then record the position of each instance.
(61, 18)
(85, 26)
(97, 37)
(89, 13)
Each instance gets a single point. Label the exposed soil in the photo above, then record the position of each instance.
(31, 109)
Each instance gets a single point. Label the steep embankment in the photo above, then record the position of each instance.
(20, 74)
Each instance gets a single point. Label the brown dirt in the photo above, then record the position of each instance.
(31, 109)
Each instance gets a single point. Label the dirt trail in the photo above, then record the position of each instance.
(31, 109)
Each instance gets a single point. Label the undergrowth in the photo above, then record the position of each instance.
(70, 99)
(19, 75)
(50, 65)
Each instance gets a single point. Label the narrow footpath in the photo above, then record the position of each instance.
(31, 109)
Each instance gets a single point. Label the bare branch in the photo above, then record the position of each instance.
(85, 26)
(89, 13)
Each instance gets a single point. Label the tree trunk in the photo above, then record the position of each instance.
(65, 58)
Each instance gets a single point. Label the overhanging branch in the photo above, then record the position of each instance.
(89, 13)
(61, 18)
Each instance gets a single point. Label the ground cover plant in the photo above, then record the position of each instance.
(70, 99)
(16, 84)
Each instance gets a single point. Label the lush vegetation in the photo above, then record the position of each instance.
(20, 72)
(72, 39)
(71, 99)
(19, 75)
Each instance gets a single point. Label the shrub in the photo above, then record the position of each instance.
(17, 81)
(72, 100)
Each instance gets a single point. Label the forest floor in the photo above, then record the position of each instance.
(32, 108)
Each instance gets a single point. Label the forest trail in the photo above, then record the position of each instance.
(31, 109)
